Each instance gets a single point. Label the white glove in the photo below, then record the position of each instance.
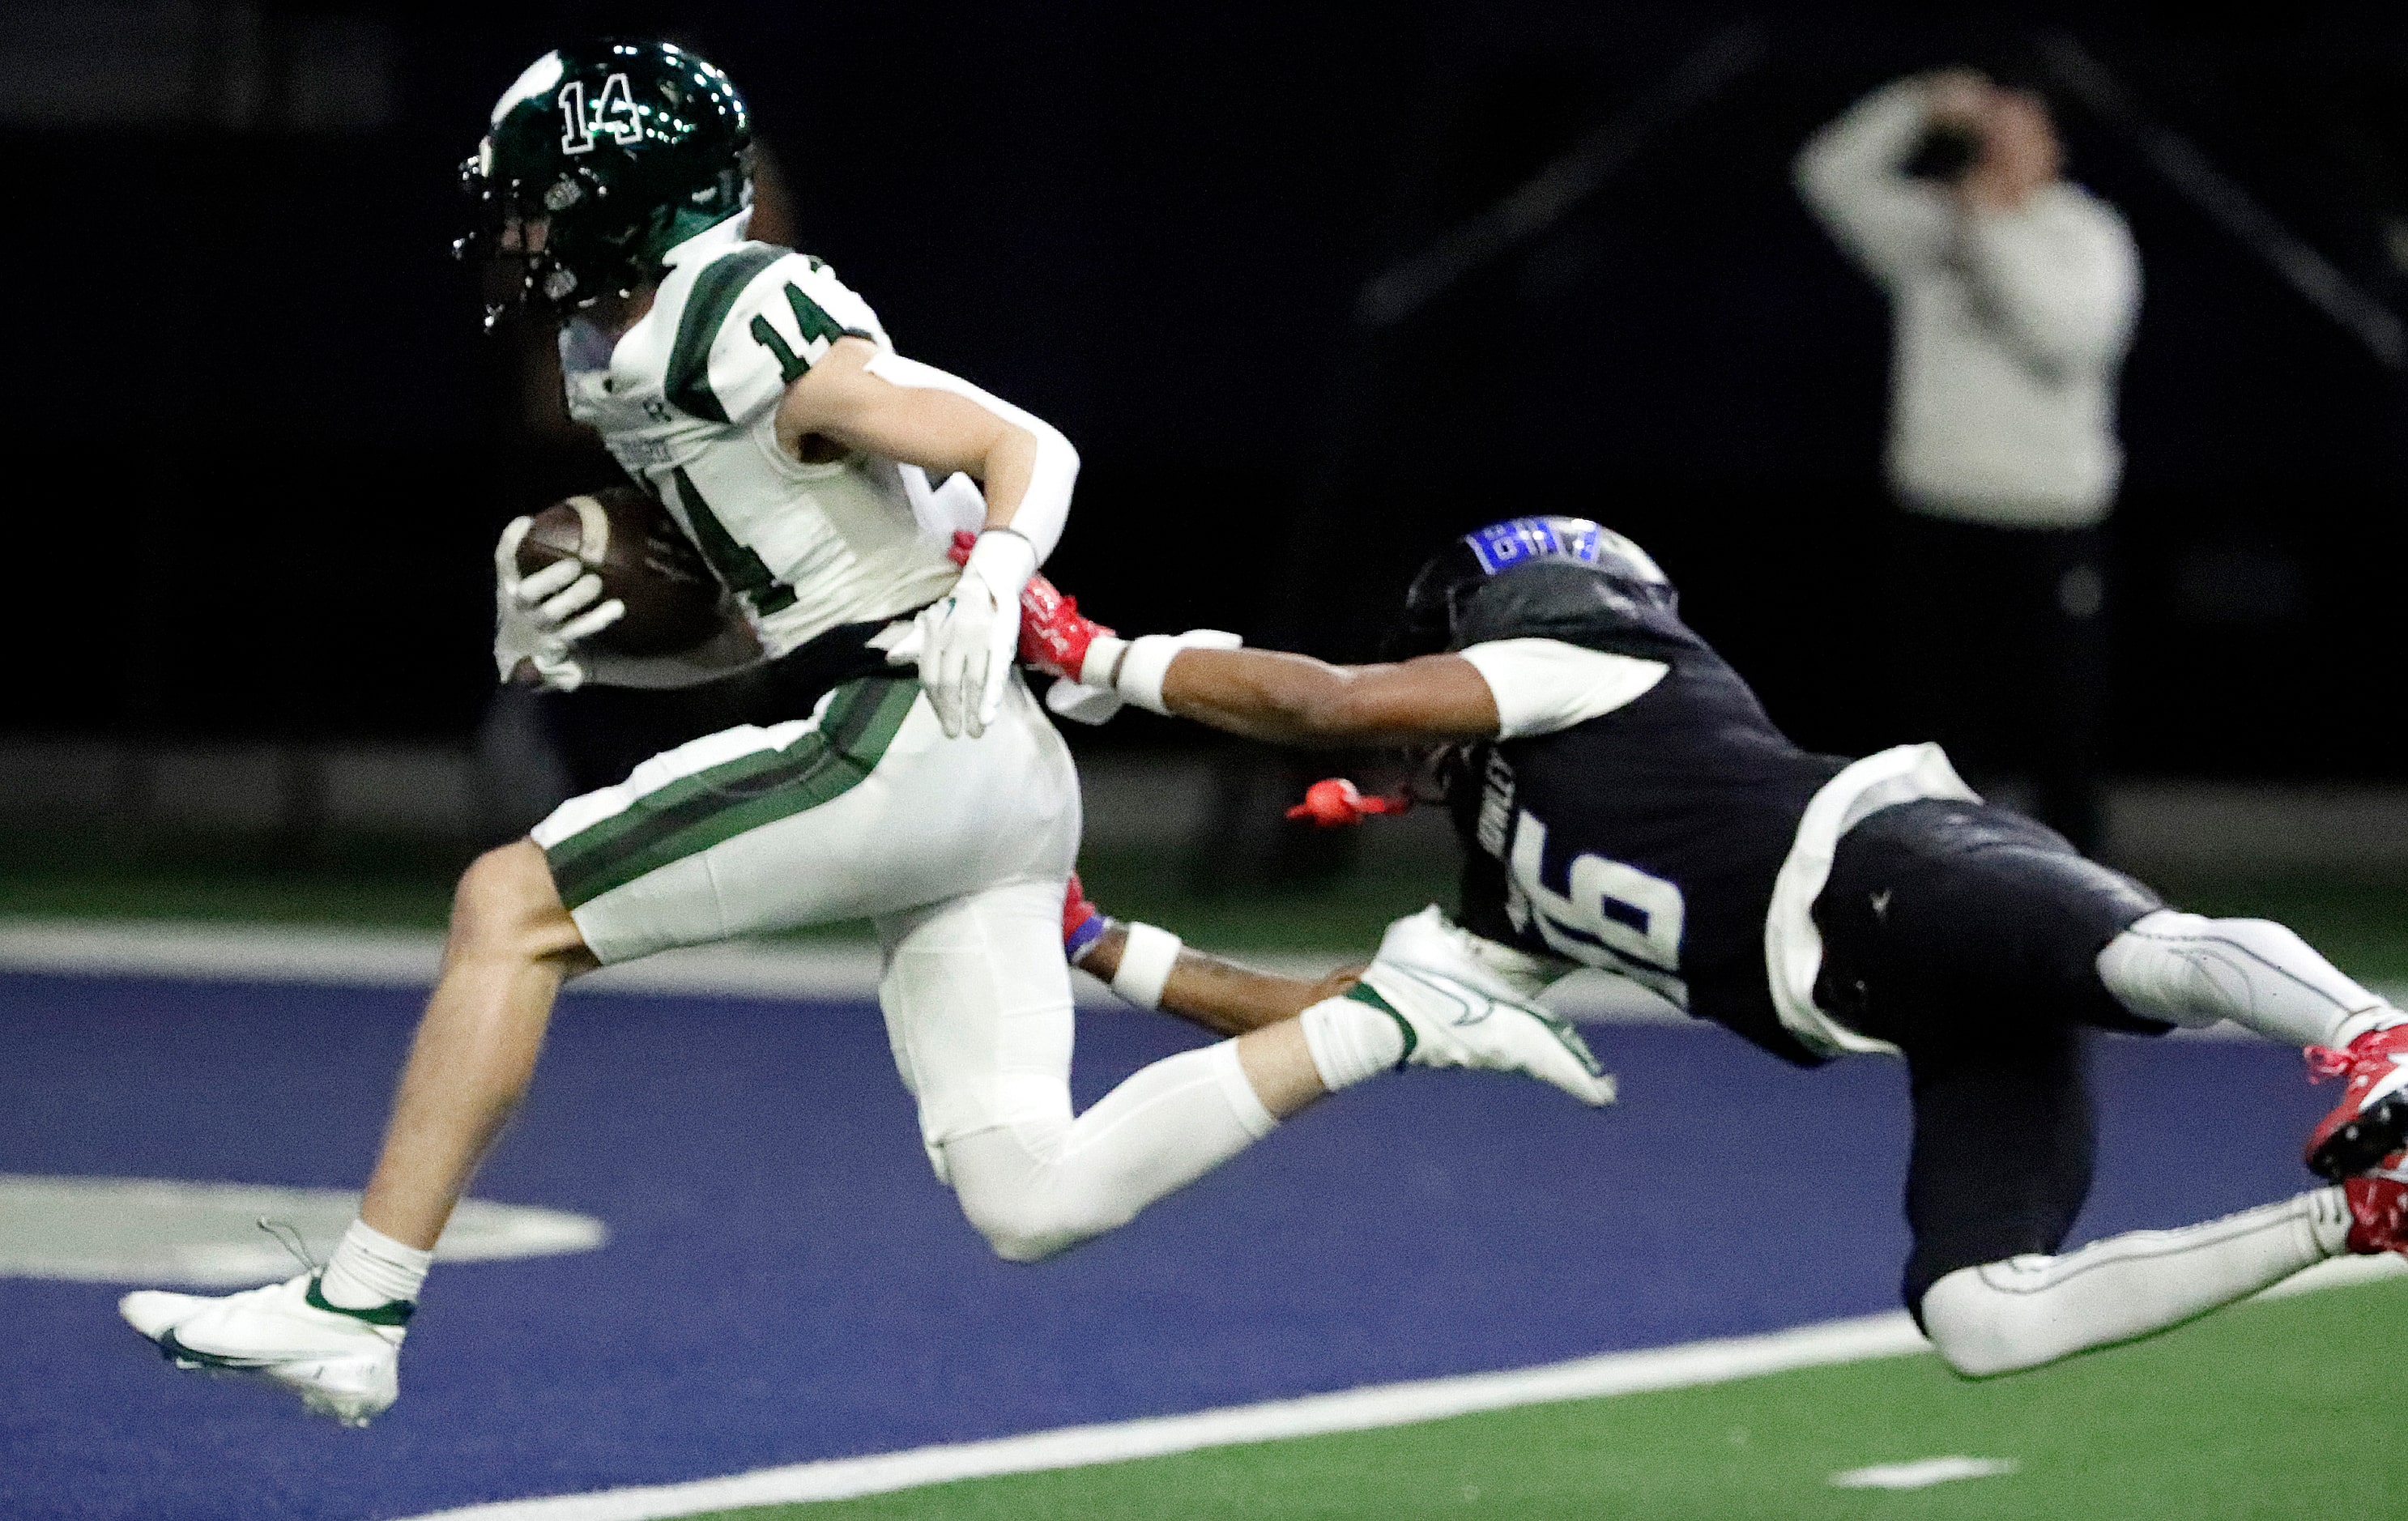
(539, 619)
(1083, 704)
(1133, 669)
(968, 641)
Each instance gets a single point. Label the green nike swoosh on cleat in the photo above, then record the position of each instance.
(391, 1312)
(1363, 993)
(184, 1357)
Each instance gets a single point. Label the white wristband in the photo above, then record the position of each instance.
(1103, 657)
(1134, 670)
(1146, 959)
(1148, 662)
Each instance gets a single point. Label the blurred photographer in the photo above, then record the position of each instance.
(2013, 294)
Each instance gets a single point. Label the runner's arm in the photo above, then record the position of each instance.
(872, 400)
(877, 402)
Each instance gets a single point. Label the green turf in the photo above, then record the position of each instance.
(2273, 1410)
(2362, 926)
(387, 884)
(365, 882)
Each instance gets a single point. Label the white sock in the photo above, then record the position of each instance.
(1034, 1189)
(2188, 969)
(1350, 1040)
(2002, 1316)
(369, 1269)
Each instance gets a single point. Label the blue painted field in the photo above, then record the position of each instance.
(786, 1280)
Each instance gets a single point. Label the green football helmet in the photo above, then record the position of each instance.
(620, 150)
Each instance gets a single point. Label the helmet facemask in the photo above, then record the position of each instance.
(510, 237)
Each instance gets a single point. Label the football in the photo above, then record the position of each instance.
(629, 539)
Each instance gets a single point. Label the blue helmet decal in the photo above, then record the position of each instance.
(1515, 541)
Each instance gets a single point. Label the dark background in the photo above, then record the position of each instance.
(265, 448)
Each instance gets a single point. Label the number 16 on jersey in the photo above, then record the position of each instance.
(1610, 914)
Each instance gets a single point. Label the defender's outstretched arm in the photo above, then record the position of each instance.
(1221, 996)
(1500, 689)
(1293, 700)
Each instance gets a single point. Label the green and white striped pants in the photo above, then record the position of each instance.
(862, 809)
(957, 848)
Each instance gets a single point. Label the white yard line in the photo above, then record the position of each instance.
(1890, 1335)
(165, 1230)
(1922, 1473)
(1862, 1339)
(200, 951)
(197, 950)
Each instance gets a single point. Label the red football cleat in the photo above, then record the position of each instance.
(2371, 1122)
(2378, 1209)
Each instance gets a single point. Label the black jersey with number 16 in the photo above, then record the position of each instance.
(1645, 840)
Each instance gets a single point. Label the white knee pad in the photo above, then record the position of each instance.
(1020, 1229)
(1015, 1190)
(1001, 1176)
(1982, 1326)
(1038, 1187)
(2188, 969)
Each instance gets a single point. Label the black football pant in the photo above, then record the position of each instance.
(1969, 936)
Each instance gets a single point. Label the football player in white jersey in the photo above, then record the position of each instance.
(761, 401)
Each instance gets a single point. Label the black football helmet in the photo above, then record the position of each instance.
(1449, 580)
(620, 151)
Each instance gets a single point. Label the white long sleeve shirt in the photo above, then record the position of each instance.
(2010, 326)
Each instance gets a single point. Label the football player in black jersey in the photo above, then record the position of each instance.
(1625, 804)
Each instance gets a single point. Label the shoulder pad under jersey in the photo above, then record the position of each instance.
(754, 319)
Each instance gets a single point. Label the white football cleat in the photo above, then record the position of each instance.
(1430, 941)
(1450, 1022)
(343, 1363)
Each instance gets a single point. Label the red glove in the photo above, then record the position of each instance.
(1333, 801)
(1054, 633)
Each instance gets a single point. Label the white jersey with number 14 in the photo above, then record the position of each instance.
(687, 401)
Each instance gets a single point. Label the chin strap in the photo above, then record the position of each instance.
(1334, 802)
